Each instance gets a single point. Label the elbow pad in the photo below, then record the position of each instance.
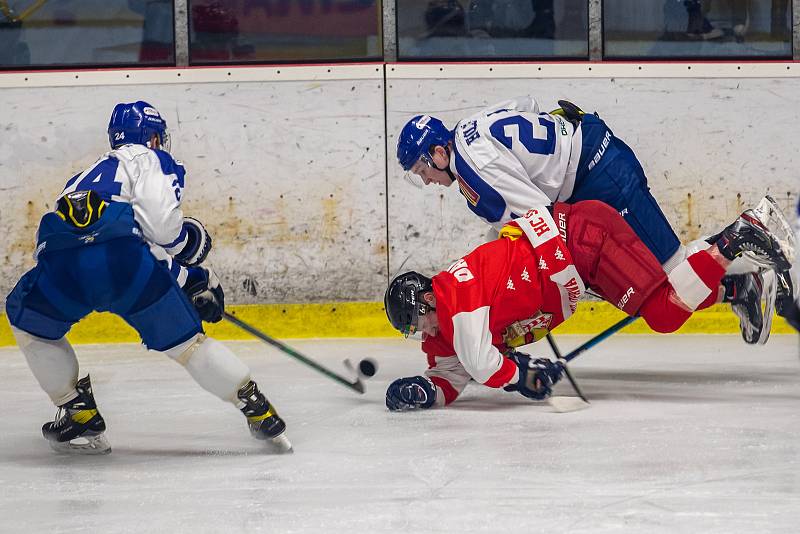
(198, 243)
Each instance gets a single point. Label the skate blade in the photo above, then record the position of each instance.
(567, 404)
(756, 261)
(93, 445)
(748, 332)
(770, 293)
(280, 444)
(770, 214)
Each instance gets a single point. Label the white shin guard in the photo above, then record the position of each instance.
(212, 365)
(53, 363)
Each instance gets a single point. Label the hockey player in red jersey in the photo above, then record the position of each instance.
(512, 291)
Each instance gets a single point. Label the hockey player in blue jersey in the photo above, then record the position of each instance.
(118, 242)
(510, 156)
(787, 299)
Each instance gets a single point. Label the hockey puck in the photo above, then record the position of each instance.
(367, 367)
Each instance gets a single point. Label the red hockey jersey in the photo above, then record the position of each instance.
(503, 291)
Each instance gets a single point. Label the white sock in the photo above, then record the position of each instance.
(53, 363)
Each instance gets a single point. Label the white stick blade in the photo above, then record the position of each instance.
(567, 404)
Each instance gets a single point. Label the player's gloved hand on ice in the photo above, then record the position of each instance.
(410, 393)
(198, 243)
(203, 289)
(537, 376)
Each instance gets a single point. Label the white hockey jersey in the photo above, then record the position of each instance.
(509, 157)
(152, 182)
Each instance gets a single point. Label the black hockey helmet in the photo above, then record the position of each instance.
(403, 302)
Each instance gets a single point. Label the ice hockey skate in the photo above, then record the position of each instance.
(749, 238)
(78, 427)
(264, 422)
(744, 292)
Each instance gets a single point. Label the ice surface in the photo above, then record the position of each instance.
(685, 434)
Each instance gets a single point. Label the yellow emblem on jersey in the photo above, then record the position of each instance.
(527, 330)
(511, 232)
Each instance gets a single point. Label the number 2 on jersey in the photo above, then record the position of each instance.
(525, 134)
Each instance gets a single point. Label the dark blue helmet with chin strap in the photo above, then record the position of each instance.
(136, 123)
(416, 139)
(403, 301)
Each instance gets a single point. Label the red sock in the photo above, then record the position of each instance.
(710, 272)
(660, 310)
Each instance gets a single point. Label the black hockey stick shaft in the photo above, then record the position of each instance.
(286, 349)
(608, 332)
(567, 373)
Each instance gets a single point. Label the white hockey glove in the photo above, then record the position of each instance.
(198, 243)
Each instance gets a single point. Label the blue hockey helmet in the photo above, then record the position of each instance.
(135, 123)
(417, 137)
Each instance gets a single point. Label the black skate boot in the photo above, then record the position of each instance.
(264, 421)
(743, 292)
(78, 427)
(749, 238)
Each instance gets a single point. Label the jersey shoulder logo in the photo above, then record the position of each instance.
(525, 276)
(469, 193)
(558, 254)
(510, 284)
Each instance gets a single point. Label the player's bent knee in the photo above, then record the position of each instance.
(183, 323)
(661, 313)
(24, 339)
(213, 366)
(182, 352)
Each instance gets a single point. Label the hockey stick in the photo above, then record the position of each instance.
(566, 404)
(566, 370)
(571, 404)
(608, 332)
(358, 385)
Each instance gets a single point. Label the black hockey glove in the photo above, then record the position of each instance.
(536, 376)
(204, 292)
(410, 393)
(198, 243)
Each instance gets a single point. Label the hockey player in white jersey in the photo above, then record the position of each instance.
(118, 242)
(510, 156)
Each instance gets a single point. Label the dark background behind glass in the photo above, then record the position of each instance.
(487, 29)
(87, 33)
(98, 33)
(241, 31)
(697, 28)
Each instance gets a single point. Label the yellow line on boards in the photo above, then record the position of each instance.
(367, 319)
